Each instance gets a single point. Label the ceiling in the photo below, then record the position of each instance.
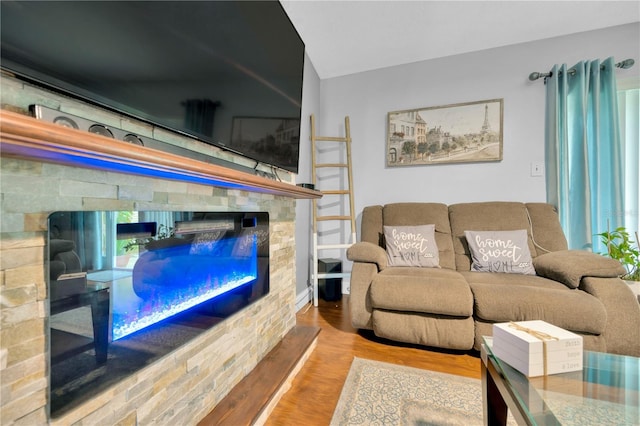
(346, 37)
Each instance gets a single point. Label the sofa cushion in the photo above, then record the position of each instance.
(500, 251)
(547, 233)
(371, 225)
(573, 310)
(436, 291)
(411, 246)
(487, 216)
(409, 214)
(512, 279)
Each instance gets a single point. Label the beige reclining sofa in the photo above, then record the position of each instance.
(448, 305)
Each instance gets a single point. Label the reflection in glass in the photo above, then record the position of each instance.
(158, 264)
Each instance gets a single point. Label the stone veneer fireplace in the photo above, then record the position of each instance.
(126, 288)
(183, 386)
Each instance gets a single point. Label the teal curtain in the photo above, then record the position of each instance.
(584, 161)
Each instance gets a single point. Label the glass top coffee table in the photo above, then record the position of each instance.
(606, 391)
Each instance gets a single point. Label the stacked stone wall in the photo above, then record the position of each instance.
(183, 386)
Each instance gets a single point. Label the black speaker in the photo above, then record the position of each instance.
(330, 289)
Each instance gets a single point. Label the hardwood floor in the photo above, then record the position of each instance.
(315, 390)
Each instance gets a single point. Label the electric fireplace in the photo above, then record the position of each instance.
(128, 287)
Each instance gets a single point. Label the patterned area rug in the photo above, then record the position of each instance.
(378, 393)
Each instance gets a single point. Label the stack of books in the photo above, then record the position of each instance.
(537, 348)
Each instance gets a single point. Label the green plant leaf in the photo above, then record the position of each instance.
(621, 247)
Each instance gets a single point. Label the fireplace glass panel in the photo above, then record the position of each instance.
(137, 284)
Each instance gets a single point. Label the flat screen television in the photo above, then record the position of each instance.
(228, 73)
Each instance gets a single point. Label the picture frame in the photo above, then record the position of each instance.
(458, 133)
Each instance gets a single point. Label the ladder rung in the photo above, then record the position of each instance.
(330, 139)
(336, 192)
(335, 275)
(331, 165)
(322, 218)
(333, 246)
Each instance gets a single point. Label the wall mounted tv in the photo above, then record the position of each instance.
(228, 73)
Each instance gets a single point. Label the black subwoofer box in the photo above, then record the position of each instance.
(330, 289)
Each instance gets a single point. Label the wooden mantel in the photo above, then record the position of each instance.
(25, 137)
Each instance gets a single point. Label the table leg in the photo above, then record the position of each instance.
(100, 318)
(494, 406)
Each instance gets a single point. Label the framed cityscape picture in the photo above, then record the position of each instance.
(458, 133)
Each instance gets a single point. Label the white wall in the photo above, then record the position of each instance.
(310, 105)
(496, 73)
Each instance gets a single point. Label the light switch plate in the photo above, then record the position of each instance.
(537, 169)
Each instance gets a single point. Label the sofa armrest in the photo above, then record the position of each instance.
(368, 253)
(622, 333)
(362, 275)
(570, 266)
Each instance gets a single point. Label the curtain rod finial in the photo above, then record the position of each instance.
(627, 63)
(536, 75)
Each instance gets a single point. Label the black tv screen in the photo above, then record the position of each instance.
(228, 73)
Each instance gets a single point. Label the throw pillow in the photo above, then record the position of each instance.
(412, 246)
(500, 251)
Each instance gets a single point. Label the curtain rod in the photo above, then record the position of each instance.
(627, 63)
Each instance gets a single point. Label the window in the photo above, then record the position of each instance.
(628, 108)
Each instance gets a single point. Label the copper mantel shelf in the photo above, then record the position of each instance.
(25, 137)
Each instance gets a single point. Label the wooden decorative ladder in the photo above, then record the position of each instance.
(333, 192)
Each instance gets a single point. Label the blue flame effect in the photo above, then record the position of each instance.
(171, 280)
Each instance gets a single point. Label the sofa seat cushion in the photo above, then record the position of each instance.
(428, 290)
(424, 329)
(573, 310)
(511, 279)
